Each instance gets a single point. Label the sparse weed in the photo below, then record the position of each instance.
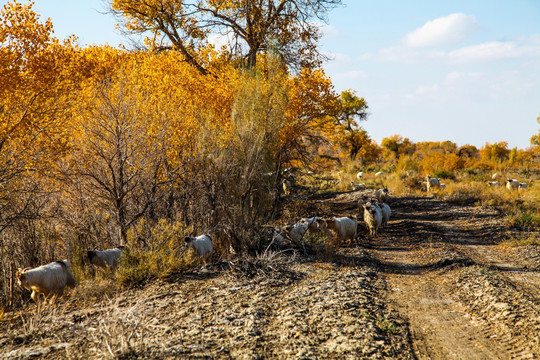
(525, 219)
(325, 249)
(35, 322)
(267, 265)
(524, 240)
(444, 174)
(484, 270)
(386, 325)
(411, 185)
(120, 333)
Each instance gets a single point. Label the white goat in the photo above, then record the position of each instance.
(357, 187)
(343, 227)
(202, 245)
(379, 173)
(312, 223)
(432, 182)
(297, 231)
(512, 184)
(385, 213)
(372, 218)
(382, 195)
(105, 258)
(493, 183)
(494, 176)
(50, 279)
(522, 185)
(278, 239)
(360, 175)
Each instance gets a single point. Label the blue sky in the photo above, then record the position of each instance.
(430, 70)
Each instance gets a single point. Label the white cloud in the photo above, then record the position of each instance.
(424, 93)
(473, 86)
(456, 77)
(447, 30)
(491, 51)
(535, 39)
(328, 31)
(407, 55)
(352, 75)
(494, 50)
(220, 40)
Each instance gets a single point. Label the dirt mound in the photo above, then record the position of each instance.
(329, 311)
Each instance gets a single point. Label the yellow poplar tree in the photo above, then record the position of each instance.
(35, 95)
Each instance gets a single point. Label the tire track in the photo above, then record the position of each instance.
(421, 253)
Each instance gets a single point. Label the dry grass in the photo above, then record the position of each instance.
(462, 193)
(36, 323)
(120, 332)
(521, 207)
(268, 265)
(94, 290)
(526, 239)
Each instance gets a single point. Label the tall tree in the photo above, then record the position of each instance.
(116, 159)
(254, 26)
(34, 100)
(351, 136)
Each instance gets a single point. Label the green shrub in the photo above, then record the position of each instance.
(386, 325)
(159, 255)
(522, 240)
(373, 169)
(525, 218)
(444, 174)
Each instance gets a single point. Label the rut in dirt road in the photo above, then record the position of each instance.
(463, 296)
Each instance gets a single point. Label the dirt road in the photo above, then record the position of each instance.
(462, 295)
(433, 284)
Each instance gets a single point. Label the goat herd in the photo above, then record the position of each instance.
(376, 213)
(51, 279)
